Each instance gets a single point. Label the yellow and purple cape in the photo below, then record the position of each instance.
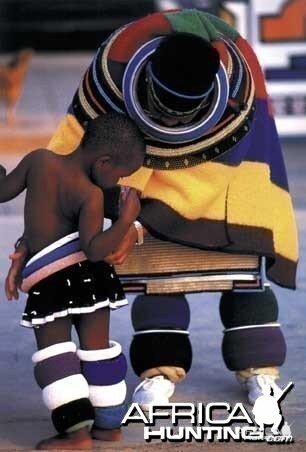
(237, 202)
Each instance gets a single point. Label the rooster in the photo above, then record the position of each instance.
(12, 77)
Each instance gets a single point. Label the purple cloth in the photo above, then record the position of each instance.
(55, 368)
(158, 312)
(106, 372)
(254, 347)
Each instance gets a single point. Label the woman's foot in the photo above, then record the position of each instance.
(80, 440)
(106, 435)
(153, 391)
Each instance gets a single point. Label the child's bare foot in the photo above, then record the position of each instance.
(106, 435)
(80, 440)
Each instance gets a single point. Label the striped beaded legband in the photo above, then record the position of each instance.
(64, 389)
(105, 371)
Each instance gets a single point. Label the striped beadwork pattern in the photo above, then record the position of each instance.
(105, 371)
(65, 391)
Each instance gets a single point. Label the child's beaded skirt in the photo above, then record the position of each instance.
(60, 281)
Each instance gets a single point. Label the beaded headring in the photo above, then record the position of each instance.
(175, 134)
(163, 109)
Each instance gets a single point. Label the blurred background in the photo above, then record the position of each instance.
(45, 47)
(63, 36)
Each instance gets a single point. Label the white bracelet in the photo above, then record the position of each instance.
(139, 230)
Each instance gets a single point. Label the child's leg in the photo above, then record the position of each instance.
(64, 389)
(93, 329)
(104, 367)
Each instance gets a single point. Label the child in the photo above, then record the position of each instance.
(64, 195)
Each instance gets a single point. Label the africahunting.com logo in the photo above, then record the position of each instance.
(204, 425)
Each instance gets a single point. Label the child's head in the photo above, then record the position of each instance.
(115, 148)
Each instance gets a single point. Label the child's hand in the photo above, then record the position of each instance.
(123, 194)
(130, 206)
(14, 278)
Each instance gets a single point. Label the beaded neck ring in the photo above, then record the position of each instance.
(163, 109)
(174, 134)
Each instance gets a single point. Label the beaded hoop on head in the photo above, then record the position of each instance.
(176, 134)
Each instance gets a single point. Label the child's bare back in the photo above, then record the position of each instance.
(53, 199)
(56, 189)
(64, 194)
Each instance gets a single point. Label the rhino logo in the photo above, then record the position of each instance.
(267, 410)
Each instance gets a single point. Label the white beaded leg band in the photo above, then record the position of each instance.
(247, 327)
(53, 350)
(99, 355)
(111, 395)
(65, 390)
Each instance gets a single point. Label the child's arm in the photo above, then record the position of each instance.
(121, 253)
(15, 182)
(95, 242)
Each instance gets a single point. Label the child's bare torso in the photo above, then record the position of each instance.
(52, 199)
